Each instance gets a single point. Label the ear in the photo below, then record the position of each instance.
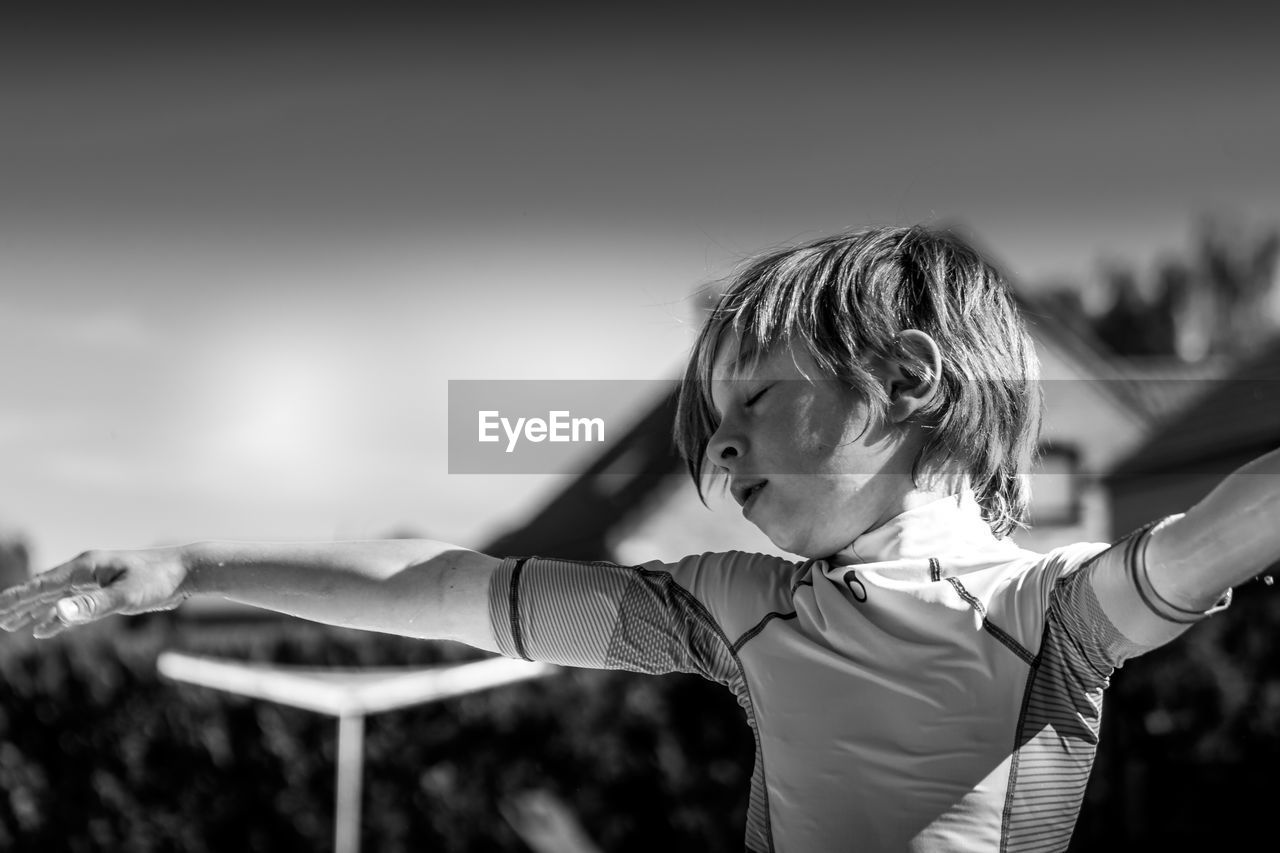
(911, 373)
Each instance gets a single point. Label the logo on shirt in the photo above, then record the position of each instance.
(855, 584)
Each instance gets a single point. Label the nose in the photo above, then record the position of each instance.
(725, 444)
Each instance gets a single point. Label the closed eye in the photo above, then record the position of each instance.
(757, 396)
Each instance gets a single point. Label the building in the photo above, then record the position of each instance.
(1233, 419)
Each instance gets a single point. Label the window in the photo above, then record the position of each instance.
(1055, 486)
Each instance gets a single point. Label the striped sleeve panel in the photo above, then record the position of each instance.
(1061, 717)
(605, 616)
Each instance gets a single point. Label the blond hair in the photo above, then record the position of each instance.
(847, 298)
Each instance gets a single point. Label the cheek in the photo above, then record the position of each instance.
(821, 429)
(823, 436)
(821, 496)
(835, 449)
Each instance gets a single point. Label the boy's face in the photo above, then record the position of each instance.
(824, 483)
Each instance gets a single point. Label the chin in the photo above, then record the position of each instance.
(809, 548)
(799, 547)
(782, 543)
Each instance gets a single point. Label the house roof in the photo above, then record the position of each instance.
(1231, 415)
(1071, 335)
(1165, 385)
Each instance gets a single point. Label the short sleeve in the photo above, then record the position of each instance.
(653, 617)
(1117, 611)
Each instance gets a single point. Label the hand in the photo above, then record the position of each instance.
(546, 823)
(93, 585)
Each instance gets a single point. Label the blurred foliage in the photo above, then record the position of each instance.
(15, 559)
(97, 752)
(1191, 737)
(1219, 298)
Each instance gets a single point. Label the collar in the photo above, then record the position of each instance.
(949, 526)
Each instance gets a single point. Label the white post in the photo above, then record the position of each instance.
(350, 759)
(349, 696)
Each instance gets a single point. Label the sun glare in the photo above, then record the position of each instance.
(283, 416)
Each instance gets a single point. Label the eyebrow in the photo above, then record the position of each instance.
(736, 367)
(749, 351)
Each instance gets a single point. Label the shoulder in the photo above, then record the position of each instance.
(1034, 575)
(1022, 573)
(737, 588)
(1023, 590)
(727, 575)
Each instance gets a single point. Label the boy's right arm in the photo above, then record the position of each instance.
(415, 588)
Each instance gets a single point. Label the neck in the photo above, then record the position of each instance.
(944, 483)
(926, 524)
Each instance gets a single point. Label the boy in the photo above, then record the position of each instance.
(916, 680)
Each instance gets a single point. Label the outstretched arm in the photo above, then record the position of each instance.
(1229, 537)
(416, 588)
(1187, 563)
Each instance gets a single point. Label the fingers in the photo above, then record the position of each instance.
(47, 624)
(16, 614)
(87, 606)
(34, 602)
(49, 621)
(23, 621)
(77, 572)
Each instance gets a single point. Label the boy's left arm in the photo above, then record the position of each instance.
(1184, 567)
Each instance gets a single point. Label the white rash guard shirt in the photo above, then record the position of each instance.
(941, 693)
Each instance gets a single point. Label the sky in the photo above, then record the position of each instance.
(242, 254)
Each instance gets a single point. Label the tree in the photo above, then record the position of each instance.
(15, 560)
(1221, 299)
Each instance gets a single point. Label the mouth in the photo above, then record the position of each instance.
(746, 493)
